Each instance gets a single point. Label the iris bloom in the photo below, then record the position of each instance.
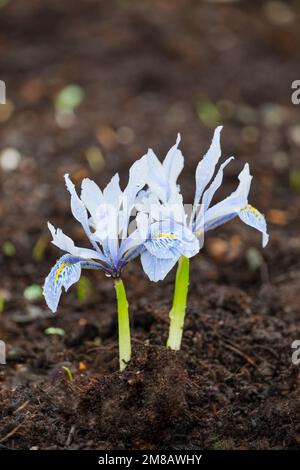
(167, 235)
(105, 218)
(179, 242)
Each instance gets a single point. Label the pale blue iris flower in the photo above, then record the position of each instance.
(164, 232)
(105, 218)
(236, 204)
(171, 234)
(162, 216)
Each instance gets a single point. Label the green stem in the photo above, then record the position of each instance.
(177, 313)
(123, 324)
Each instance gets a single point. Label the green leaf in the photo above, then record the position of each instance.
(2, 304)
(33, 292)
(8, 249)
(70, 375)
(39, 248)
(69, 98)
(52, 330)
(295, 180)
(95, 158)
(254, 258)
(208, 112)
(3, 3)
(84, 289)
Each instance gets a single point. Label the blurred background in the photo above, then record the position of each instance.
(90, 85)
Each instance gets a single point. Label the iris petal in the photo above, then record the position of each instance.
(251, 216)
(65, 272)
(206, 167)
(157, 268)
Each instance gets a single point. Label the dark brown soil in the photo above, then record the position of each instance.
(145, 65)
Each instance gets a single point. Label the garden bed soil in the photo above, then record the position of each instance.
(233, 384)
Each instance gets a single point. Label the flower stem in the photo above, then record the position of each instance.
(177, 313)
(123, 324)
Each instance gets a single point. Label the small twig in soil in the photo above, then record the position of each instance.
(11, 433)
(70, 436)
(240, 353)
(102, 348)
(22, 406)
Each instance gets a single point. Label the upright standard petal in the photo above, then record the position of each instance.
(206, 167)
(112, 193)
(173, 165)
(77, 206)
(156, 177)
(65, 272)
(251, 216)
(113, 198)
(91, 196)
(137, 180)
(79, 211)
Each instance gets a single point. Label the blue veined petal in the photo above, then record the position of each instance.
(132, 242)
(191, 246)
(164, 239)
(164, 245)
(251, 216)
(214, 223)
(132, 254)
(169, 239)
(65, 272)
(157, 268)
(206, 167)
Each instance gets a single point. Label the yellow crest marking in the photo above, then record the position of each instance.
(198, 232)
(253, 210)
(163, 235)
(59, 270)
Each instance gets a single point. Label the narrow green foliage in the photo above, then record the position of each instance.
(295, 180)
(70, 375)
(84, 289)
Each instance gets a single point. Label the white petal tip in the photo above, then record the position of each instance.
(265, 240)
